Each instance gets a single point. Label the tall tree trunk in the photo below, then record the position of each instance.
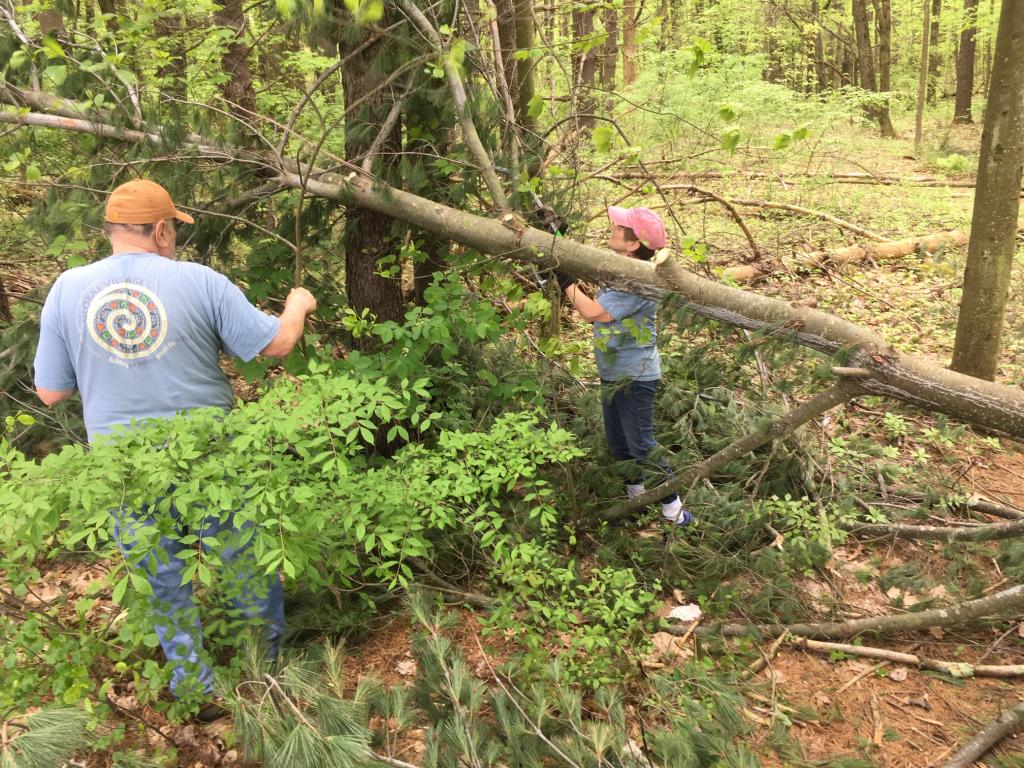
(237, 90)
(169, 28)
(515, 26)
(883, 11)
(369, 235)
(584, 67)
(629, 47)
(610, 54)
(922, 85)
(820, 72)
(772, 45)
(996, 205)
(965, 64)
(934, 56)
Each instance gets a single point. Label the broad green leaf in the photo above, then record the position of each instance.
(602, 137)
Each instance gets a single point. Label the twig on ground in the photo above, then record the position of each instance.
(951, 668)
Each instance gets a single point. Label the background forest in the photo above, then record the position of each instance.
(466, 583)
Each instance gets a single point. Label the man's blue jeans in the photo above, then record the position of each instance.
(254, 595)
(628, 409)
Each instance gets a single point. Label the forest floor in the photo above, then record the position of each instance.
(885, 714)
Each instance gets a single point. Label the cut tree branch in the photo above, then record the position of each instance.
(951, 668)
(1008, 600)
(812, 408)
(988, 737)
(988, 405)
(993, 532)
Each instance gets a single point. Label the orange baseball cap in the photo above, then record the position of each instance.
(142, 202)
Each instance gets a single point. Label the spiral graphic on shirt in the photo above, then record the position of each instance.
(127, 320)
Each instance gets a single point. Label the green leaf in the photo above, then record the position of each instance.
(783, 140)
(120, 589)
(730, 139)
(32, 173)
(26, 419)
(52, 48)
(535, 106)
(728, 112)
(18, 59)
(602, 137)
(285, 8)
(58, 73)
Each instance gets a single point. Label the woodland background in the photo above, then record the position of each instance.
(465, 584)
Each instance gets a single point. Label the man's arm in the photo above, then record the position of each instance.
(51, 397)
(299, 303)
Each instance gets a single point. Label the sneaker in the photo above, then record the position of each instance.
(634, 490)
(674, 513)
(210, 712)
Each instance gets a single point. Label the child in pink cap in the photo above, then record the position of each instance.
(625, 347)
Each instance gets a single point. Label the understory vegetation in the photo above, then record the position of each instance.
(442, 476)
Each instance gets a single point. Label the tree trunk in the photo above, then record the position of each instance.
(610, 54)
(172, 74)
(629, 47)
(934, 57)
(922, 84)
(771, 44)
(965, 64)
(820, 72)
(369, 235)
(584, 67)
(865, 57)
(883, 11)
(515, 26)
(237, 90)
(996, 205)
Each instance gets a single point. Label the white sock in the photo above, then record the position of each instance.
(673, 511)
(632, 491)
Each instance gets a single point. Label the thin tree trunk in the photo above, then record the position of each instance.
(629, 47)
(820, 72)
(773, 70)
(883, 10)
(934, 56)
(996, 206)
(172, 74)
(922, 85)
(584, 66)
(610, 54)
(965, 64)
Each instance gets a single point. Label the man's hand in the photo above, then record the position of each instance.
(302, 300)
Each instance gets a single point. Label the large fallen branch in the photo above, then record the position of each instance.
(1008, 600)
(892, 373)
(993, 532)
(951, 668)
(892, 249)
(988, 737)
(812, 408)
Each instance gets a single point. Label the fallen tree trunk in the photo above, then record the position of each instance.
(993, 532)
(951, 668)
(988, 737)
(850, 254)
(985, 404)
(1008, 600)
(837, 178)
(812, 408)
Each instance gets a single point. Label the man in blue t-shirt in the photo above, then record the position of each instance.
(626, 351)
(139, 335)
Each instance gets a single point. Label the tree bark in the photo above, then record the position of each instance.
(773, 70)
(922, 85)
(369, 234)
(584, 67)
(820, 72)
(883, 10)
(934, 57)
(629, 47)
(965, 64)
(996, 206)
(990, 735)
(238, 91)
(610, 54)
(515, 25)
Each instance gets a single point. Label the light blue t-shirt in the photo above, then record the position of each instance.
(139, 336)
(626, 348)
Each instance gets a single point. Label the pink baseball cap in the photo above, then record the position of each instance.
(644, 222)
